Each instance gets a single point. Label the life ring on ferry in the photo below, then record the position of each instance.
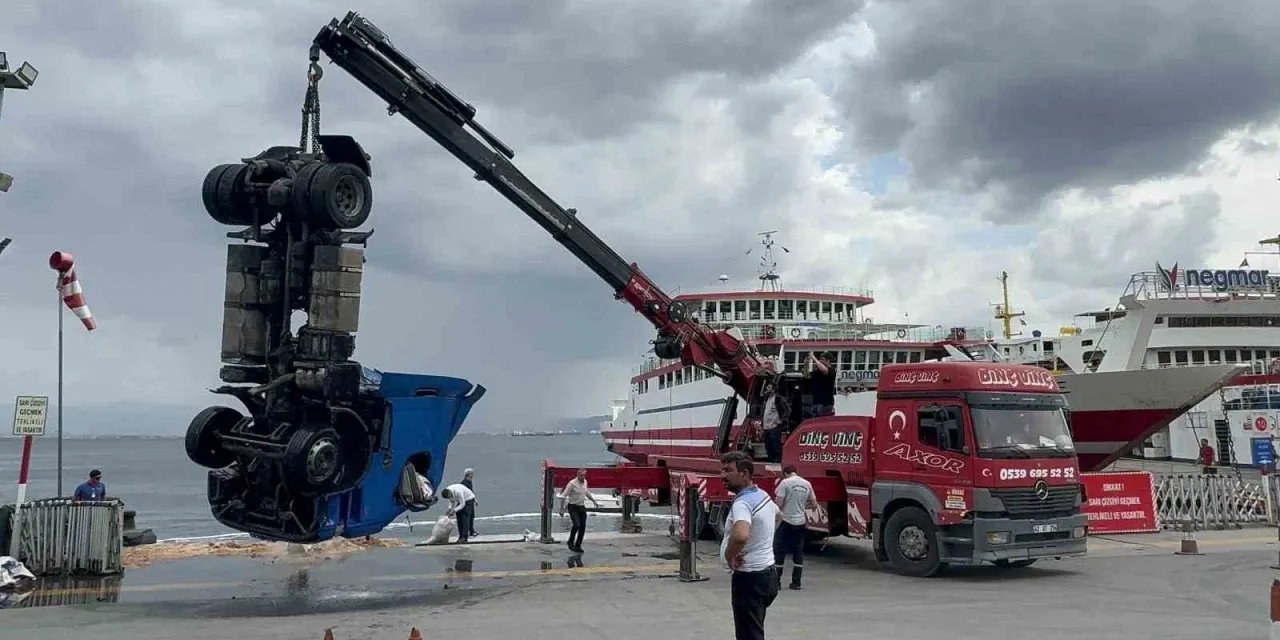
(902, 333)
(769, 331)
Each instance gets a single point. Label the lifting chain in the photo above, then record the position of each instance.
(311, 106)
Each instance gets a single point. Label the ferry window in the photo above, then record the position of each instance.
(708, 310)
(915, 356)
(1229, 355)
(1048, 347)
(846, 360)
(726, 310)
(1163, 358)
(1215, 356)
(769, 310)
(662, 382)
(860, 357)
(826, 310)
(785, 310)
(789, 360)
(900, 357)
(755, 309)
(1260, 354)
(839, 312)
(1086, 343)
(1197, 356)
(739, 309)
(1180, 357)
(927, 427)
(1275, 354)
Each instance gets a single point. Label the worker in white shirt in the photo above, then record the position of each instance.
(461, 504)
(794, 494)
(574, 497)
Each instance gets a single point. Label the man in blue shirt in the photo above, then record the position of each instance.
(92, 489)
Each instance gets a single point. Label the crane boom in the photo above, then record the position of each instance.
(366, 53)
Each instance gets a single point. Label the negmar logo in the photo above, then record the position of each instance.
(1216, 279)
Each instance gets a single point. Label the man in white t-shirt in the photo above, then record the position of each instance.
(460, 500)
(795, 494)
(747, 547)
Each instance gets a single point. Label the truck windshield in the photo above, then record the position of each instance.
(1018, 430)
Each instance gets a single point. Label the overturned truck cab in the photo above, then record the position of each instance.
(324, 446)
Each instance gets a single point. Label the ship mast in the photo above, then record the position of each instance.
(768, 265)
(1002, 310)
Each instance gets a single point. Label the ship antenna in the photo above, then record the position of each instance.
(1002, 310)
(768, 265)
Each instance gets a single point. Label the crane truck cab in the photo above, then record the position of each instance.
(962, 463)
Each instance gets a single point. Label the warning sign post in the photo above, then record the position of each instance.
(29, 413)
(1121, 502)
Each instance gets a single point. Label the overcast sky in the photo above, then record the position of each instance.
(913, 147)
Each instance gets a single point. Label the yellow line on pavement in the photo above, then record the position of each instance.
(1177, 544)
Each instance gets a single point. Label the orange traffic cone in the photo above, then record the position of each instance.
(328, 634)
(414, 635)
(1275, 608)
(1190, 547)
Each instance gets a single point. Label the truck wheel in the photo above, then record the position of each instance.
(1015, 564)
(204, 446)
(224, 194)
(339, 196)
(911, 542)
(313, 458)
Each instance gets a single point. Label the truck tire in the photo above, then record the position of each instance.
(313, 459)
(339, 196)
(224, 194)
(204, 435)
(911, 542)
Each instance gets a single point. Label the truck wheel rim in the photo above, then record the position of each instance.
(348, 196)
(913, 544)
(322, 460)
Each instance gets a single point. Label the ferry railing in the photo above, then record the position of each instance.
(831, 290)
(62, 536)
(1208, 501)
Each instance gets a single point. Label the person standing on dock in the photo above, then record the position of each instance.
(747, 547)
(822, 385)
(468, 479)
(91, 489)
(460, 503)
(795, 494)
(574, 498)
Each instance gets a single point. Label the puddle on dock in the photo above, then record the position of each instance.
(242, 587)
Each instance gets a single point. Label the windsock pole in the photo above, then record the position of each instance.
(71, 296)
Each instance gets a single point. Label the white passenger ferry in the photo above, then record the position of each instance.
(675, 410)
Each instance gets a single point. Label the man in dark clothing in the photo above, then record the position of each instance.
(468, 479)
(822, 385)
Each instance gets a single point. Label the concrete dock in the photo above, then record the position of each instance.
(625, 587)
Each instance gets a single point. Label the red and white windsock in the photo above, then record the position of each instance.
(69, 288)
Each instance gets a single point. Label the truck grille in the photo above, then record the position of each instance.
(1023, 502)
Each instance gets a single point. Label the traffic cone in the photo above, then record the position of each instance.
(1190, 547)
(1275, 609)
(414, 635)
(328, 634)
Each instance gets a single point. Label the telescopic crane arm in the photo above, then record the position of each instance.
(365, 52)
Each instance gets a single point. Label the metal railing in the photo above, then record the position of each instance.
(1212, 501)
(61, 536)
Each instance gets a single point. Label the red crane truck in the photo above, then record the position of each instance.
(962, 463)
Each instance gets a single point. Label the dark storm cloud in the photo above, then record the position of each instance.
(1033, 97)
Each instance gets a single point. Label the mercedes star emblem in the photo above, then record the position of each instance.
(1042, 490)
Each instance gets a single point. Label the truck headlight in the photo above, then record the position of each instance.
(1079, 532)
(997, 537)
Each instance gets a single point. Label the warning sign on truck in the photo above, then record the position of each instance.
(29, 415)
(1121, 502)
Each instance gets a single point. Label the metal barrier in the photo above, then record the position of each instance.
(80, 538)
(1211, 501)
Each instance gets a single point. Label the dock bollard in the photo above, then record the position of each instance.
(1189, 545)
(689, 539)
